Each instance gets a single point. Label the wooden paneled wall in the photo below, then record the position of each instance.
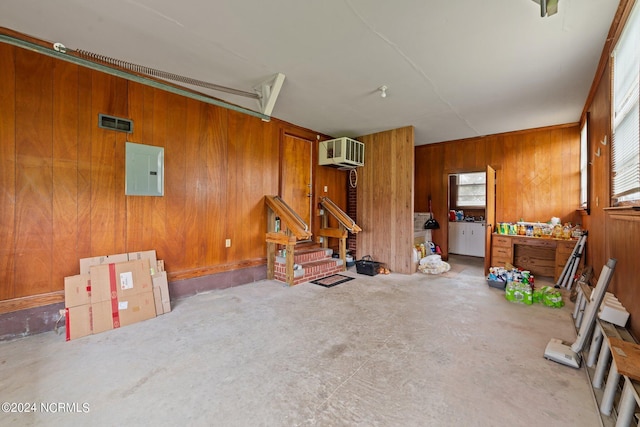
(613, 232)
(600, 188)
(62, 177)
(622, 230)
(538, 174)
(385, 199)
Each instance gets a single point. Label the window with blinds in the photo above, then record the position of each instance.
(471, 189)
(625, 159)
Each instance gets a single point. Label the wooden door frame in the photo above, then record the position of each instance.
(490, 223)
(446, 174)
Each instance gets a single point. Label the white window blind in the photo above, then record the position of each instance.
(472, 189)
(626, 120)
(583, 164)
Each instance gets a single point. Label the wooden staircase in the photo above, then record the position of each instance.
(285, 229)
(309, 264)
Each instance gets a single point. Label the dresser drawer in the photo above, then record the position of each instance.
(502, 241)
(565, 249)
(501, 252)
(535, 242)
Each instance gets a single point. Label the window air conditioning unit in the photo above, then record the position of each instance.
(344, 153)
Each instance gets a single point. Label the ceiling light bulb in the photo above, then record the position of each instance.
(383, 91)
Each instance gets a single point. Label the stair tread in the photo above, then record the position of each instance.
(319, 262)
(310, 250)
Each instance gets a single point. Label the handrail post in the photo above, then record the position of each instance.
(324, 223)
(271, 247)
(342, 247)
(290, 258)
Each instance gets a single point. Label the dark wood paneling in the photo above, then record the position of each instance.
(140, 223)
(34, 127)
(538, 174)
(85, 126)
(570, 168)
(65, 172)
(600, 126)
(213, 167)
(173, 249)
(7, 172)
(494, 155)
(108, 211)
(62, 177)
(623, 235)
(385, 199)
(146, 215)
(253, 153)
(191, 214)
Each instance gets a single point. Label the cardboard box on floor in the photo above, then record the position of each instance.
(111, 296)
(77, 302)
(161, 293)
(128, 287)
(161, 297)
(77, 290)
(123, 278)
(86, 263)
(78, 322)
(150, 255)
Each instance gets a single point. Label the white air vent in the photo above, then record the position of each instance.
(341, 153)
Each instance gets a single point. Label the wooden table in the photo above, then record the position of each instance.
(541, 256)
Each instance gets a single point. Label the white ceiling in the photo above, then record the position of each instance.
(455, 69)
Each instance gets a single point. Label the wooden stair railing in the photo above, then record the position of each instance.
(345, 225)
(292, 229)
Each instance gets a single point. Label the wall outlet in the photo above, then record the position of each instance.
(320, 239)
(326, 188)
(227, 243)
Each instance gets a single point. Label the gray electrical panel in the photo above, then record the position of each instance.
(144, 170)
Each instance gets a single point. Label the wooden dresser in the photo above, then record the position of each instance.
(542, 257)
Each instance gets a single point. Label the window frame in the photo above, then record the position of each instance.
(454, 188)
(627, 108)
(585, 164)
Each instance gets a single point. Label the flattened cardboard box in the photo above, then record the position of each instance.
(150, 255)
(77, 290)
(161, 293)
(120, 280)
(77, 321)
(86, 263)
(103, 317)
(136, 308)
(109, 315)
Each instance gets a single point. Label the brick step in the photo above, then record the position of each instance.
(310, 270)
(306, 255)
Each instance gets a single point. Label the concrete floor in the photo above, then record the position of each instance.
(392, 350)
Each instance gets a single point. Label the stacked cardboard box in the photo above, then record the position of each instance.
(113, 291)
(159, 278)
(77, 299)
